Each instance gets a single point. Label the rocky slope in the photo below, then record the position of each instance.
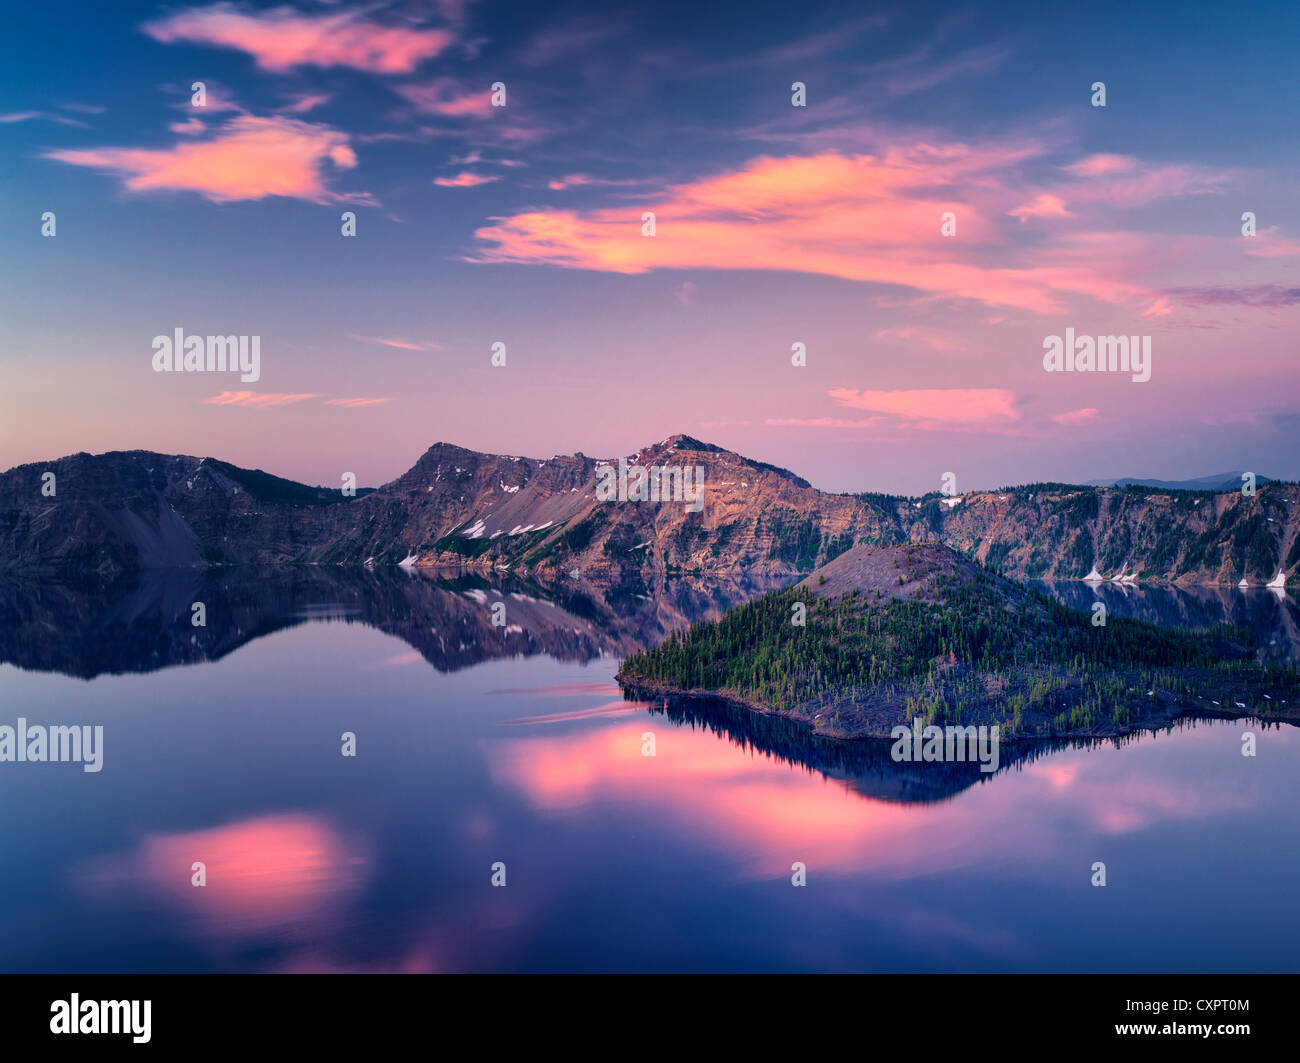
(126, 511)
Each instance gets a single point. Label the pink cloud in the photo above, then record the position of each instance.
(1101, 165)
(280, 38)
(464, 180)
(873, 218)
(1136, 184)
(448, 97)
(821, 422)
(304, 102)
(191, 127)
(1269, 243)
(935, 407)
(928, 338)
(1044, 205)
(257, 400)
(582, 180)
(400, 344)
(685, 293)
(1076, 416)
(357, 402)
(249, 158)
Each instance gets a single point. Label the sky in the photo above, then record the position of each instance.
(947, 196)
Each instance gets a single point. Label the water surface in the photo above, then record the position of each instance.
(478, 745)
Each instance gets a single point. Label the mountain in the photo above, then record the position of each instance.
(1224, 481)
(882, 635)
(134, 510)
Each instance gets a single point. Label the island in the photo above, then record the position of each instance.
(883, 635)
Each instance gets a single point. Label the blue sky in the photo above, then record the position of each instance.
(776, 225)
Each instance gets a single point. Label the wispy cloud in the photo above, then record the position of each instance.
(872, 218)
(281, 39)
(582, 180)
(921, 70)
(935, 407)
(1258, 295)
(1270, 243)
(1088, 413)
(465, 180)
(257, 400)
(1044, 205)
(357, 402)
(822, 422)
(248, 158)
(448, 97)
(931, 339)
(573, 36)
(306, 101)
(398, 343)
(30, 116)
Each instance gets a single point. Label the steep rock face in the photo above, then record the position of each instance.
(134, 510)
(1060, 531)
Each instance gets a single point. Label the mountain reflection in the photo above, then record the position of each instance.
(446, 617)
(455, 619)
(1272, 615)
(864, 766)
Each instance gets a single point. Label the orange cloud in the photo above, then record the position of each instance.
(1088, 413)
(935, 407)
(1045, 205)
(464, 180)
(250, 158)
(872, 218)
(400, 344)
(256, 400)
(281, 38)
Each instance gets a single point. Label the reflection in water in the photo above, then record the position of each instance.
(768, 811)
(446, 617)
(1272, 615)
(517, 746)
(865, 766)
(146, 624)
(273, 874)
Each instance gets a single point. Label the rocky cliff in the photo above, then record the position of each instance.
(127, 511)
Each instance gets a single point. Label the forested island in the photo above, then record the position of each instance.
(882, 635)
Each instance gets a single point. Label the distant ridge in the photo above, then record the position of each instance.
(1223, 481)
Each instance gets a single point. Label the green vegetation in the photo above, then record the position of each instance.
(1021, 659)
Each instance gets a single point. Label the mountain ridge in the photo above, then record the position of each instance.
(131, 510)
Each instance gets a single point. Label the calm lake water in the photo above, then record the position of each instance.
(478, 744)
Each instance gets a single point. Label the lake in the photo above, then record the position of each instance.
(479, 745)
